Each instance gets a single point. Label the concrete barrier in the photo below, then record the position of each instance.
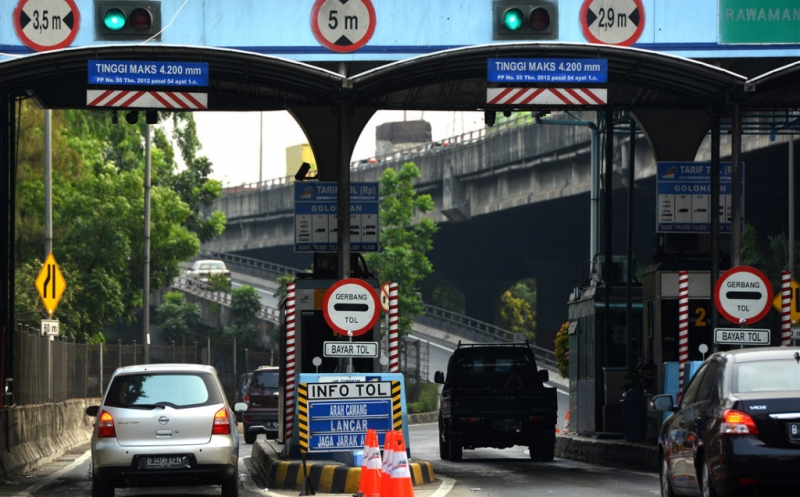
(617, 453)
(35, 435)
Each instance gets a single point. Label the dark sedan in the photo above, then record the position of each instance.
(736, 429)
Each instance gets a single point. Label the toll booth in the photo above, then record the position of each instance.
(599, 363)
(660, 321)
(312, 331)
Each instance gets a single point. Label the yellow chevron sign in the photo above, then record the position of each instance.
(794, 306)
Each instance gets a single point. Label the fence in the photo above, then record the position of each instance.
(254, 359)
(46, 371)
(414, 355)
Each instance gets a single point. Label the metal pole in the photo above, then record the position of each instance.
(48, 183)
(791, 204)
(629, 276)
(594, 201)
(146, 292)
(608, 226)
(343, 194)
(715, 215)
(260, 147)
(736, 186)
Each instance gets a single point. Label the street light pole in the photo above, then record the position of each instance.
(146, 291)
(48, 183)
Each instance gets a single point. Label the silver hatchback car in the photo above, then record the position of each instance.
(164, 425)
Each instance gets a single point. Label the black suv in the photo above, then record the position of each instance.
(494, 396)
(261, 397)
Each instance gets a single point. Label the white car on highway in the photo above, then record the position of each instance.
(201, 270)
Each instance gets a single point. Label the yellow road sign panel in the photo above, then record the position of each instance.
(51, 284)
(794, 306)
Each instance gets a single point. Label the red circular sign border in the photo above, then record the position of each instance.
(336, 48)
(76, 13)
(327, 298)
(736, 270)
(592, 39)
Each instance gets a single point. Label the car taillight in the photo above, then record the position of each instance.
(106, 426)
(737, 423)
(222, 425)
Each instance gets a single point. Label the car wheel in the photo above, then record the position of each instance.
(230, 486)
(547, 453)
(250, 438)
(101, 489)
(444, 451)
(666, 485)
(455, 451)
(707, 486)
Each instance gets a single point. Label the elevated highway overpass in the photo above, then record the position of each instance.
(513, 202)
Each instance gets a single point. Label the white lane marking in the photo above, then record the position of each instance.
(49, 479)
(444, 488)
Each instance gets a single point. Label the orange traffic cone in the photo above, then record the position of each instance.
(370, 484)
(400, 484)
(388, 456)
(566, 423)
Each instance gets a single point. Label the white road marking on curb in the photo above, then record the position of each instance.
(445, 487)
(49, 479)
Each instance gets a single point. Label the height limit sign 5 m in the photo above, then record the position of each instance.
(343, 25)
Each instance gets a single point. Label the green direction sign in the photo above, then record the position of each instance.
(759, 21)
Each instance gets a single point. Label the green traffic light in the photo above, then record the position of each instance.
(114, 19)
(512, 19)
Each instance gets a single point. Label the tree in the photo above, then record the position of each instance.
(98, 222)
(517, 315)
(562, 350)
(177, 318)
(245, 304)
(404, 244)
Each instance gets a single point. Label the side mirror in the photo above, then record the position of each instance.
(663, 403)
(92, 411)
(543, 375)
(438, 377)
(240, 407)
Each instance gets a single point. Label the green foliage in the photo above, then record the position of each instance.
(517, 310)
(447, 296)
(245, 304)
(428, 399)
(562, 350)
(280, 292)
(177, 318)
(98, 215)
(404, 245)
(219, 283)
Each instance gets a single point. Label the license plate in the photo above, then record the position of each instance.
(271, 425)
(505, 424)
(165, 462)
(794, 430)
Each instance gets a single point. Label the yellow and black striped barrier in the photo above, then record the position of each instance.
(397, 407)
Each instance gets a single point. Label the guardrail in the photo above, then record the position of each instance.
(402, 155)
(249, 262)
(201, 290)
(490, 331)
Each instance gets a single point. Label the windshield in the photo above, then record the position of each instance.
(766, 376)
(264, 383)
(212, 265)
(177, 390)
(494, 360)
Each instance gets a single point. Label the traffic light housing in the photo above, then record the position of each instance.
(120, 20)
(525, 21)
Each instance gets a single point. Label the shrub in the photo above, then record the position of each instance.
(562, 350)
(428, 399)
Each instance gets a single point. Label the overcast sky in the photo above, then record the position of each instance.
(230, 139)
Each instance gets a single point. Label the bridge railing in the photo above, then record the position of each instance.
(402, 155)
(202, 290)
(251, 263)
(488, 331)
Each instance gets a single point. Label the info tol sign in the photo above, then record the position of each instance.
(339, 414)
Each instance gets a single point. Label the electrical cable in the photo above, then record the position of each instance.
(168, 24)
